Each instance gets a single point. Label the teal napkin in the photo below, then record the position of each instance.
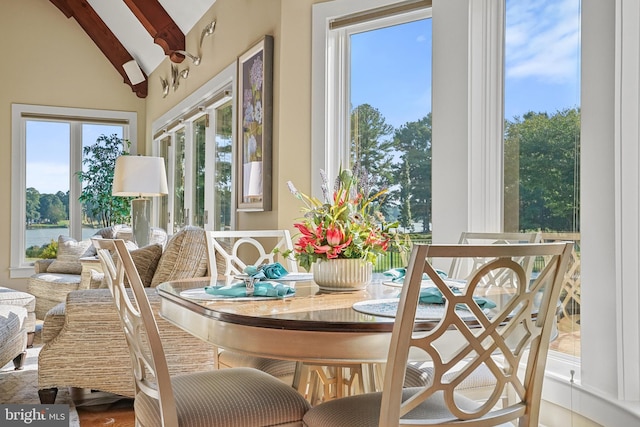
(433, 295)
(261, 289)
(397, 274)
(266, 271)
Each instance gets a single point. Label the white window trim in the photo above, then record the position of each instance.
(225, 80)
(329, 121)
(19, 268)
(607, 228)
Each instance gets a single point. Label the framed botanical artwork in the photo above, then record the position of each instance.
(255, 123)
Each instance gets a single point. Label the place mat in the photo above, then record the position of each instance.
(201, 294)
(389, 308)
(427, 283)
(290, 277)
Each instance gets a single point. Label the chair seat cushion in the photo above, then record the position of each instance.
(364, 410)
(227, 397)
(21, 299)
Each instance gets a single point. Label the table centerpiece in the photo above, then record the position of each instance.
(342, 235)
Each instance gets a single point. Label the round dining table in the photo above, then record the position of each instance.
(312, 326)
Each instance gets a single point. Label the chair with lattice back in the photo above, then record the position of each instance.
(230, 251)
(510, 340)
(240, 396)
(462, 268)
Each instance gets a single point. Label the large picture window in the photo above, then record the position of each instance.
(47, 154)
(379, 111)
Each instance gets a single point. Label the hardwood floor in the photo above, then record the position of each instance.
(114, 417)
(103, 409)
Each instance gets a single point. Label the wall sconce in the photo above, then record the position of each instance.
(165, 87)
(195, 59)
(176, 75)
(207, 31)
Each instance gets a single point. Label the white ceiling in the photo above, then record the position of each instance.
(135, 38)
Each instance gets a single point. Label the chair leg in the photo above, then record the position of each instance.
(18, 361)
(47, 395)
(30, 336)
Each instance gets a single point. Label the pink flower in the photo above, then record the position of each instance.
(335, 235)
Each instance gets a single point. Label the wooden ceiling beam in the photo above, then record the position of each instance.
(102, 36)
(165, 32)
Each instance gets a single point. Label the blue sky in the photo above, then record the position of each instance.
(48, 153)
(391, 67)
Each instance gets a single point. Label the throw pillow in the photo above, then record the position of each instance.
(69, 253)
(146, 260)
(184, 257)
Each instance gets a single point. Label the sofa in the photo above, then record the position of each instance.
(84, 345)
(55, 278)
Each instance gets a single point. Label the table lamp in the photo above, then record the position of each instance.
(140, 177)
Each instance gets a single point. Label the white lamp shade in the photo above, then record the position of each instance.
(139, 176)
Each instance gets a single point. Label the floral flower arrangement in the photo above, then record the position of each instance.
(346, 224)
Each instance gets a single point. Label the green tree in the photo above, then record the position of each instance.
(371, 147)
(64, 198)
(51, 209)
(99, 162)
(413, 141)
(547, 150)
(33, 206)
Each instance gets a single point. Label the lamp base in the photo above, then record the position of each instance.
(141, 220)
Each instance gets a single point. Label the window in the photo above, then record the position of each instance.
(542, 132)
(196, 138)
(47, 154)
(379, 108)
(473, 94)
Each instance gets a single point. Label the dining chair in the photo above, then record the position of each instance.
(229, 397)
(511, 340)
(230, 251)
(461, 268)
(475, 385)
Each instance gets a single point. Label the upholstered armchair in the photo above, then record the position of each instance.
(85, 346)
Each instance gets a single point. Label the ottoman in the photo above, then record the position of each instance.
(13, 335)
(22, 299)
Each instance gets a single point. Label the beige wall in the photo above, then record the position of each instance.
(240, 24)
(56, 63)
(49, 60)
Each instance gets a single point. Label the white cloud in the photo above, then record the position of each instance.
(542, 39)
(421, 39)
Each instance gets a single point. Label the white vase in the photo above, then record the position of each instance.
(342, 274)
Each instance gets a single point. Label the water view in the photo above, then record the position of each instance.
(44, 236)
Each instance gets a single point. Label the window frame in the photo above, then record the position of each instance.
(468, 81)
(76, 117)
(213, 94)
(330, 118)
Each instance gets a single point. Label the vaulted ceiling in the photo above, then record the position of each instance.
(142, 30)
